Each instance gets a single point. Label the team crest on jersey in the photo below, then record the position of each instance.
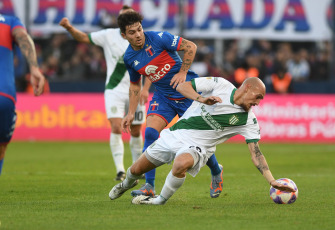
(150, 51)
(154, 106)
(233, 120)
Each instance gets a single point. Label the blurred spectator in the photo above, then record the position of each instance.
(97, 63)
(298, 66)
(281, 80)
(229, 64)
(249, 68)
(319, 66)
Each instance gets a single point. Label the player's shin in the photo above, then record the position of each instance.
(151, 135)
(135, 145)
(172, 184)
(117, 149)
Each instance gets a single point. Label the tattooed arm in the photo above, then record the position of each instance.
(189, 49)
(134, 97)
(75, 33)
(27, 47)
(260, 162)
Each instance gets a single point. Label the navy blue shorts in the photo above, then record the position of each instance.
(7, 119)
(167, 108)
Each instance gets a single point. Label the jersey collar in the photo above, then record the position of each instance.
(232, 96)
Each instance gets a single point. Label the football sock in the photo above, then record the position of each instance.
(213, 164)
(117, 149)
(172, 184)
(151, 135)
(130, 178)
(1, 162)
(135, 145)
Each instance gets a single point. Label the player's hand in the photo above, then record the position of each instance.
(65, 23)
(126, 123)
(144, 95)
(37, 80)
(210, 100)
(177, 79)
(281, 187)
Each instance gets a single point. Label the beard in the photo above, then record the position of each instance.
(245, 107)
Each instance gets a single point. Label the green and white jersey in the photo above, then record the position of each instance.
(209, 125)
(114, 47)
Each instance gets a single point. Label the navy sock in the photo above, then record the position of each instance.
(213, 164)
(151, 135)
(1, 162)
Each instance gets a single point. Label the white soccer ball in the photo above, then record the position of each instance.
(281, 197)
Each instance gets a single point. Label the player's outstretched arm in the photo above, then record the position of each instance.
(260, 162)
(189, 49)
(75, 33)
(187, 90)
(27, 47)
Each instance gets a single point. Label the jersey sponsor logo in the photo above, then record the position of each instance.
(150, 51)
(154, 76)
(136, 62)
(160, 34)
(210, 120)
(158, 67)
(150, 69)
(174, 42)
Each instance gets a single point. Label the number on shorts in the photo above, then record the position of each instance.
(138, 116)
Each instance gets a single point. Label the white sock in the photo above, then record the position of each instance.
(172, 184)
(130, 178)
(136, 145)
(117, 149)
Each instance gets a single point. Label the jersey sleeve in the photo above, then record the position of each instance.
(98, 38)
(206, 84)
(16, 22)
(170, 42)
(135, 77)
(251, 131)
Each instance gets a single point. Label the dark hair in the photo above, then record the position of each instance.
(126, 7)
(128, 19)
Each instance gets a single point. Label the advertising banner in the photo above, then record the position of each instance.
(81, 117)
(306, 20)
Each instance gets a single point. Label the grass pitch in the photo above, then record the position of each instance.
(66, 186)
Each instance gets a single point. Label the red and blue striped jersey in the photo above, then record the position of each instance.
(7, 81)
(158, 60)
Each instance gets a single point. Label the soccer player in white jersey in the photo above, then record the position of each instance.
(220, 112)
(116, 90)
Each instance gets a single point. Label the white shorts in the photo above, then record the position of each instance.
(116, 105)
(167, 147)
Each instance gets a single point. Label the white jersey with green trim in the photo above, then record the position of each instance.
(114, 46)
(209, 125)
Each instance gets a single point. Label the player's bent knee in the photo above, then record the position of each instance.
(181, 164)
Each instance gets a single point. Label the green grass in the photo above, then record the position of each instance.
(66, 186)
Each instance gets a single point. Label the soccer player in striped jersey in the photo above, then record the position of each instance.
(219, 113)
(116, 90)
(13, 31)
(154, 55)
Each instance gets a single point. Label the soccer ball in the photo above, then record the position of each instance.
(280, 197)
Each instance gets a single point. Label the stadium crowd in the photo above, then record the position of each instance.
(278, 64)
